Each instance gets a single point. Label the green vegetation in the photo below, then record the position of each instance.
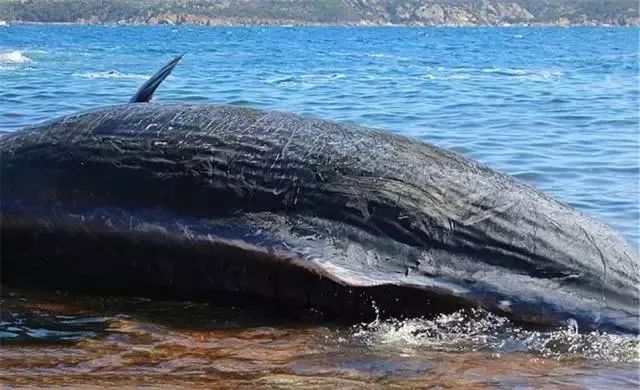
(421, 12)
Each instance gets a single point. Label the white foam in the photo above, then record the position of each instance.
(478, 330)
(110, 74)
(15, 57)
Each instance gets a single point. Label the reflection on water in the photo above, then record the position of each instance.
(55, 339)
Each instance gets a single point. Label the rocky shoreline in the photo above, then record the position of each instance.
(286, 23)
(326, 12)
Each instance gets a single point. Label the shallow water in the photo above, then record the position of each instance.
(55, 339)
(557, 108)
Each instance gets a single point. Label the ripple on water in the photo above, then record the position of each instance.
(110, 74)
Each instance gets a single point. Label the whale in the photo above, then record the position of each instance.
(221, 202)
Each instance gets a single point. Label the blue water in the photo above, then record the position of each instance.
(555, 107)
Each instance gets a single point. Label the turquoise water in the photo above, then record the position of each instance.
(555, 107)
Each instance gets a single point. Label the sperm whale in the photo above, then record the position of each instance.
(216, 200)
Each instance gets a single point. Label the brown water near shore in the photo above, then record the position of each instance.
(55, 339)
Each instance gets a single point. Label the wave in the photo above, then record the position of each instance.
(307, 80)
(15, 57)
(506, 71)
(524, 73)
(430, 76)
(442, 73)
(110, 74)
(323, 76)
(281, 80)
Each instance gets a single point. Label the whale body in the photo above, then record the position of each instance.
(211, 200)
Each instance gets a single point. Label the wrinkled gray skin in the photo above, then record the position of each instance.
(357, 206)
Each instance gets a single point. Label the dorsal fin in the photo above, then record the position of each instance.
(145, 92)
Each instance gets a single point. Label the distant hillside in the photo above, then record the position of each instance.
(366, 12)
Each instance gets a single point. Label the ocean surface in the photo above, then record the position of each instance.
(558, 108)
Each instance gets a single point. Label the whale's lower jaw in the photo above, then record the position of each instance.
(279, 261)
(214, 272)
